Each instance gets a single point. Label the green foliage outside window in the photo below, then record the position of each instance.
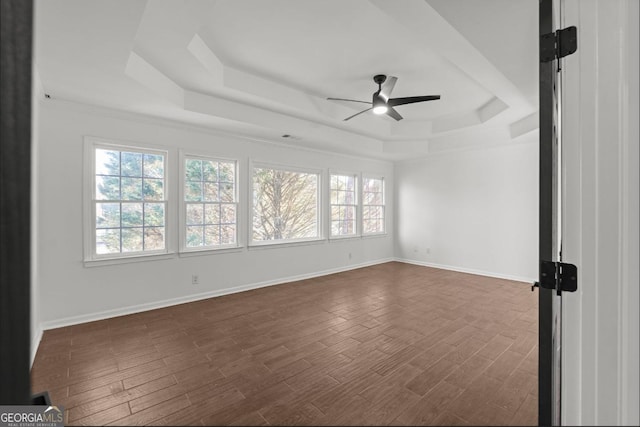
(210, 197)
(130, 201)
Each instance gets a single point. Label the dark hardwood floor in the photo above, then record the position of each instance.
(391, 344)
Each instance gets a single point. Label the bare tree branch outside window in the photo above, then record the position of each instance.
(285, 204)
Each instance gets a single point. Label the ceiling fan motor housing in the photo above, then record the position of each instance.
(379, 78)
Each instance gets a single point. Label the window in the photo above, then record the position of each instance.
(343, 205)
(373, 205)
(129, 201)
(210, 203)
(285, 205)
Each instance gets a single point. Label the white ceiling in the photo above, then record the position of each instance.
(264, 68)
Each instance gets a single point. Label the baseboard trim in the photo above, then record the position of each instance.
(35, 343)
(467, 270)
(74, 320)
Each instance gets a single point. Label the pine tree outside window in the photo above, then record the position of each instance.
(210, 206)
(129, 201)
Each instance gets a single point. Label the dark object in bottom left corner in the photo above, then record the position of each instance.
(41, 398)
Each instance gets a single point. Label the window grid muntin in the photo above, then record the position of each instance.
(339, 188)
(230, 200)
(373, 214)
(143, 200)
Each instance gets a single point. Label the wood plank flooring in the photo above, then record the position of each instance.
(391, 344)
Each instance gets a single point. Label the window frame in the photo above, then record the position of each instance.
(384, 204)
(91, 257)
(182, 215)
(253, 164)
(358, 226)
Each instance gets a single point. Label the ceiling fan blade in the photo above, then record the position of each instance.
(351, 100)
(357, 114)
(388, 86)
(393, 113)
(411, 99)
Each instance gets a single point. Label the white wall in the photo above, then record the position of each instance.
(473, 210)
(600, 231)
(74, 293)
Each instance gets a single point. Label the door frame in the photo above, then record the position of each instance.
(548, 396)
(15, 201)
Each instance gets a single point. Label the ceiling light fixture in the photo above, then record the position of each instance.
(379, 104)
(380, 109)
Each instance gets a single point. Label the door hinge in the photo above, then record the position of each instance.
(557, 275)
(558, 44)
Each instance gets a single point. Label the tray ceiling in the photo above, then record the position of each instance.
(264, 68)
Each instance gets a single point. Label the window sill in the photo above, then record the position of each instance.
(127, 259)
(204, 252)
(343, 238)
(374, 235)
(274, 245)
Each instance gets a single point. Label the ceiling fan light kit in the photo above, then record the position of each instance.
(382, 103)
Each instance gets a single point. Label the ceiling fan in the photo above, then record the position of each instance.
(381, 103)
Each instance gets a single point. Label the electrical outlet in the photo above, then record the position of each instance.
(195, 280)
(428, 251)
(349, 255)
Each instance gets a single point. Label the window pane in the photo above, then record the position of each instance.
(194, 237)
(226, 172)
(212, 213)
(212, 235)
(108, 241)
(376, 198)
(228, 214)
(107, 215)
(131, 164)
(193, 170)
(227, 234)
(335, 228)
(131, 239)
(131, 215)
(131, 188)
(285, 205)
(227, 193)
(107, 188)
(153, 166)
(195, 214)
(335, 213)
(350, 198)
(153, 189)
(211, 191)
(107, 162)
(193, 192)
(334, 196)
(350, 183)
(154, 215)
(349, 213)
(153, 238)
(210, 171)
